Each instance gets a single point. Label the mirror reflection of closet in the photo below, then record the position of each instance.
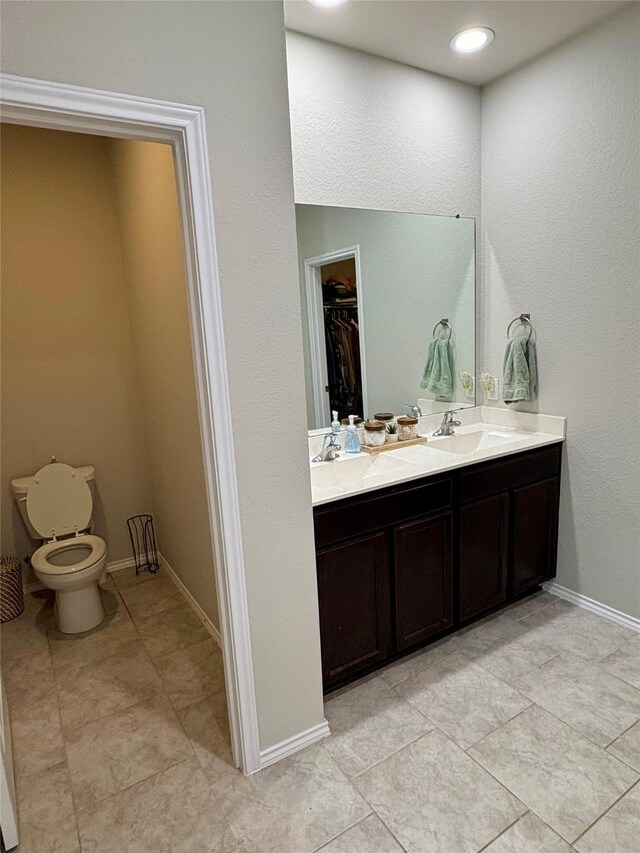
(342, 337)
(395, 276)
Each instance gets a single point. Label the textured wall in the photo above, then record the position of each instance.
(230, 59)
(372, 133)
(68, 371)
(561, 214)
(153, 251)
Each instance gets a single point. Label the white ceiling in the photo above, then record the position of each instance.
(417, 32)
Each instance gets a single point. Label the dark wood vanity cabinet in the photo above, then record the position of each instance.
(484, 540)
(423, 579)
(508, 528)
(401, 566)
(355, 613)
(535, 534)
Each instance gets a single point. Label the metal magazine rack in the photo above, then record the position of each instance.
(143, 543)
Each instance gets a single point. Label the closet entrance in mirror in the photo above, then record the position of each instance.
(334, 310)
(411, 271)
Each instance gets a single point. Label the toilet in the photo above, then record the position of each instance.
(56, 505)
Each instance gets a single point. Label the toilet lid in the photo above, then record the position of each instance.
(59, 501)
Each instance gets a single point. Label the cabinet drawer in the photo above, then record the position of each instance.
(500, 476)
(349, 518)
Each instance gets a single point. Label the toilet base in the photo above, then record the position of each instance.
(79, 610)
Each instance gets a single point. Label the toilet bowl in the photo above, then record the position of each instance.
(58, 508)
(72, 567)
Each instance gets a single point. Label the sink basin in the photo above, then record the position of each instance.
(418, 454)
(469, 442)
(346, 471)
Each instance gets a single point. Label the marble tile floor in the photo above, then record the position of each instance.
(520, 734)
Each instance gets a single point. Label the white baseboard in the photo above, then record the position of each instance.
(293, 744)
(117, 565)
(594, 606)
(208, 624)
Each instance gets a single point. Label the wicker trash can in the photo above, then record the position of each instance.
(11, 596)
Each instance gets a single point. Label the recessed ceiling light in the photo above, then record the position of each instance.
(475, 38)
(327, 2)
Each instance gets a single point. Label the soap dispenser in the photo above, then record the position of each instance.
(335, 423)
(352, 443)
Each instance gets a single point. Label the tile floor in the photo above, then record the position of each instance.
(519, 735)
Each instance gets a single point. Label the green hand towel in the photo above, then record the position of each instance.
(520, 371)
(439, 370)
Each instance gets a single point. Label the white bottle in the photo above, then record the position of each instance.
(352, 443)
(335, 423)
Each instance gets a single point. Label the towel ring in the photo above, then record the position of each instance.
(521, 318)
(444, 322)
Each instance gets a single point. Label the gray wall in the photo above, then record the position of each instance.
(230, 59)
(372, 133)
(561, 213)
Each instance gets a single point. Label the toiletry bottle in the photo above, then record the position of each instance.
(335, 423)
(352, 444)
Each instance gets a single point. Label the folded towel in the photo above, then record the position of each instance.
(520, 371)
(439, 372)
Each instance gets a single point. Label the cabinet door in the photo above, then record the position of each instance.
(484, 530)
(535, 534)
(423, 579)
(353, 591)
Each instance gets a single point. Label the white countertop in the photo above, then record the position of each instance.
(486, 433)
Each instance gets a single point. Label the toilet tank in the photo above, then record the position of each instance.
(20, 487)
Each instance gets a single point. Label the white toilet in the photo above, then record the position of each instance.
(56, 505)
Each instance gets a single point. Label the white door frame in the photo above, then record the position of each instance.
(8, 810)
(315, 322)
(63, 107)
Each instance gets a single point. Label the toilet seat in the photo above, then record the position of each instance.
(59, 501)
(40, 559)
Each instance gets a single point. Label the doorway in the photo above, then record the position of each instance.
(336, 335)
(63, 107)
(342, 338)
(97, 370)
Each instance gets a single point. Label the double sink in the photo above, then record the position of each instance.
(353, 474)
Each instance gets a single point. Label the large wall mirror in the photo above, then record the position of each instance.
(388, 311)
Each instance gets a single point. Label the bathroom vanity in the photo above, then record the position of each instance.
(401, 566)
(416, 541)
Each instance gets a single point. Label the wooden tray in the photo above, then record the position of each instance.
(396, 445)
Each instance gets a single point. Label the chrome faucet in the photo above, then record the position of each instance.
(448, 424)
(330, 448)
(416, 411)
